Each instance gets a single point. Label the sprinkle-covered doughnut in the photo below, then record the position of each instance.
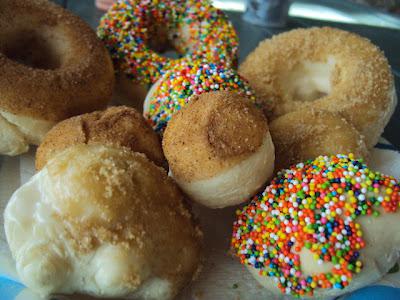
(178, 85)
(316, 205)
(134, 31)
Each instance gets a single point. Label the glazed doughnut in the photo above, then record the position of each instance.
(175, 89)
(321, 228)
(97, 217)
(116, 126)
(328, 69)
(302, 135)
(136, 31)
(219, 149)
(53, 67)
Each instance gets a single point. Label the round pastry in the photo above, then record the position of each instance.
(302, 135)
(97, 216)
(53, 67)
(119, 126)
(175, 89)
(324, 68)
(322, 228)
(136, 31)
(219, 149)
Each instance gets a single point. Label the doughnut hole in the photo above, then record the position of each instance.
(308, 80)
(36, 48)
(306, 134)
(219, 149)
(165, 41)
(159, 40)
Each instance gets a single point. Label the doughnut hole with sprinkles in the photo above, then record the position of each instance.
(316, 207)
(178, 85)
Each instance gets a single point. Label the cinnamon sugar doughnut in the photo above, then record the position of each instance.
(53, 67)
(324, 68)
(302, 135)
(117, 126)
(105, 222)
(219, 149)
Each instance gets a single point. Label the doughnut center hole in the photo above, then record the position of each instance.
(33, 49)
(163, 42)
(309, 81)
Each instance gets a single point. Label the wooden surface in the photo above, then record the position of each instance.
(250, 35)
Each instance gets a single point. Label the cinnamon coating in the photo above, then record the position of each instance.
(52, 63)
(328, 69)
(302, 135)
(213, 133)
(117, 126)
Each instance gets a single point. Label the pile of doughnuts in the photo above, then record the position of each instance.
(109, 211)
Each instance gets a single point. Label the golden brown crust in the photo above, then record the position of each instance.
(303, 135)
(214, 132)
(361, 79)
(73, 75)
(117, 126)
(119, 197)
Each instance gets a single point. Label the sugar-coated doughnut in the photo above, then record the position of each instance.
(321, 228)
(175, 89)
(118, 126)
(305, 134)
(105, 222)
(324, 68)
(219, 149)
(53, 67)
(136, 31)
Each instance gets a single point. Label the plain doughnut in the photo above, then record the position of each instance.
(324, 69)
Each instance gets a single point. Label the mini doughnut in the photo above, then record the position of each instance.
(219, 149)
(53, 67)
(324, 69)
(322, 228)
(136, 31)
(97, 217)
(302, 135)
(175, 89)
(116, 126)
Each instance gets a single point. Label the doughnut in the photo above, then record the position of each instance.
(177, 86)
(53, 67)
(321, 228)
(219, 149)
(116, 126)
(324, 69)
(302, 135)
(97, 217)
(136, 31)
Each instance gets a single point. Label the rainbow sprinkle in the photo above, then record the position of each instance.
(313, 205)
(195, 29)
(178, 85)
